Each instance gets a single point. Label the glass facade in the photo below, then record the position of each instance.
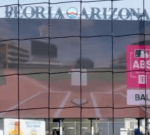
(74, 67)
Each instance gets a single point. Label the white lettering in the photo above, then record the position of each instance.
(135, 64)
(148, 64)
(141, 64)
(95, 13)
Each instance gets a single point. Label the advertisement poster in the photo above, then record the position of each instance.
(138, 75)
(26, 127)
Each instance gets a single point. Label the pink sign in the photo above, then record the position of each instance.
(138, 66)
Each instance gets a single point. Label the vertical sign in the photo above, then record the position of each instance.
(138, 74)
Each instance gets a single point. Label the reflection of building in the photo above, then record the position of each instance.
(39, 48)
(40, 52)
(9, 55)
(39, 56)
